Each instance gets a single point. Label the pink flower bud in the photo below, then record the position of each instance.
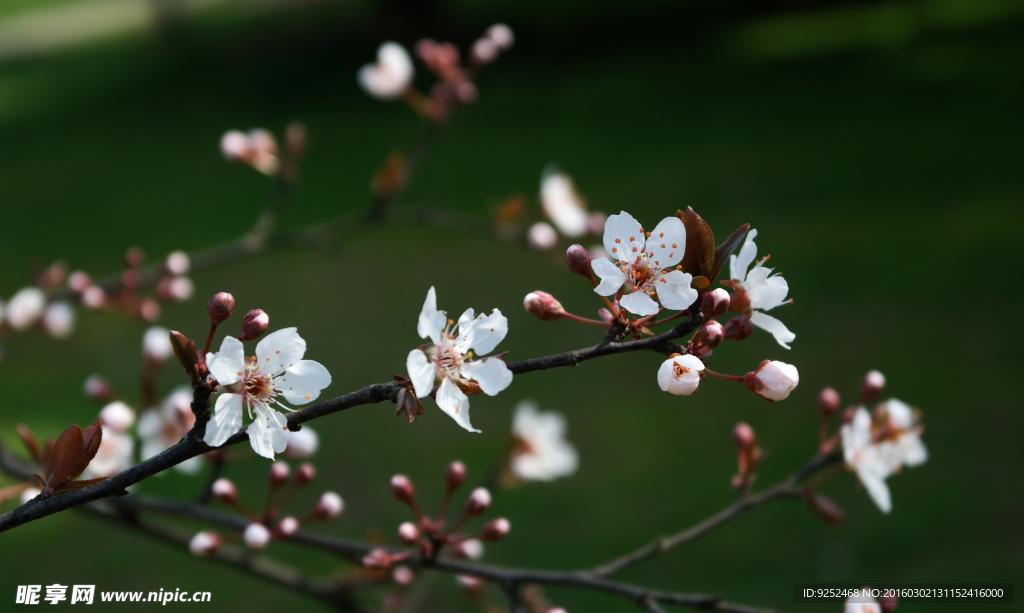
(97, 388)
(455, 475)
(220, 307)
(743, 436)
(715, 304)
(117, 416)
(177, 263)
(234, 146)
(254, 324)
(279, 473)
(377, 559)
(204, 543)
(94, 297)
(605, 315)
(469, 583)
(408, 533)
(501, 35)
(466, 92)
(472, 549)
(738, 328)
(872, 386)
(772, 380)
(484, 51)
(828, 401)
(149, 310)
(495, 530)
(680, 375)
(888, 603)
(401, 489)
(577, 259)
(224, 491)
(305, 473)
(542, 236)
(543, 306)
(478, 502)
(175, 289)
(711, 334)
(256, 536)
(403, 575)
(288, 526)
(79, 281)
(328, 506)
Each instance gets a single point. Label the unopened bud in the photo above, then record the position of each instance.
(401, 489)
(79, 281)
(328, 506)
(772, 380)
(888, 602)
(828, 401)
(872, 386)
(288, 526)
(495, 530)
(94, 297)
(543, 306)
(743, 436)
(680, 374)
(117, 416)
(578, 259)
(279, 473)
(295, 137)
(224, 491)
(738, 328)
(455, 475)
(408, 533)
(377, 559)
(403, 575)
(204, 543)
(606, 315)
(469, 583)
(542, 236)
(484, 51)
(220, 307)
(149, 310)
(59, 319)
(501, 35)
(254, 324)
(156, 344)
(185, 351)
(711, 334)
(305, 473)
(177, 263)
(175, 289)
(471, 548)
(302, 444)
(97, 388)
(256, 536)
(234, 145)
(715, 304)
(478, 501)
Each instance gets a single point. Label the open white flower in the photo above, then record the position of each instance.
(25, 308)
(563, 204)
(764, 291)
(869, 460)
(903, 433)
(255, 383)
(540, 451)
(391, 75)
(447, 358)
(162, 428)
(642, 271)
(680, 375)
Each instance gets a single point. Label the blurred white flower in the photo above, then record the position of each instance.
(391, 75)
(177, 263)
(156, 344)
(204, 543)
(642, 270)
(861, 604)
(447, 358)
(118, 416)
(680, 375)
(563, 204)
(29, 494)
(257, 149)
(902, 432)
(764, 291)
(256, 536)
(540, 450)
(302, 444)
(59, 319)
(25, 308)
(159, 429)
(542, 236)
(255, 383)
(501, 35)
(114, 455)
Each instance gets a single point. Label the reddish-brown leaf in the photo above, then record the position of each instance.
(700, 283)
(826, 510)
(185, 351)
(64, 459)
(723, 251)
(699, 257)
(29, 439)
(91, 438)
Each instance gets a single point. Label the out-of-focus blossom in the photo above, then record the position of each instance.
(156, 344)
(117, 416)
(329, 506)
(542, 236)
(563, 204)
(114, 455)
(59, 319)
(391, 75)
(680, 375)
(540, 450)
(501, 35)
(257, 149)
(177, 263)
(25, 308)
(162, 428)
(302, 444)
(256, 536)
(643, 269)
(447, 358)
(861, 604)
(29, 494)
(255, 383)
(204, 543)
(764, 291)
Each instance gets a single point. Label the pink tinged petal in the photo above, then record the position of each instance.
(676, 293)
(227, 365)
(667, 243)
(765, 292)
(562, 204)
(421, 372)
(431, 321)
(484, 333)
(774, 326)
(268, 433)
(627, 231)
(226, 420)
(452, 401)
(739, 263)
(492, 375)
(302, 382)
(611, 276)
(639, 303)
(280, 350)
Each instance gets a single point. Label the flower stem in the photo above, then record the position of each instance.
(718, 375)
(682, 313)
(584, 320)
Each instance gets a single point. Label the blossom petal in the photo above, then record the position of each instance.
(778, 329)
(302, 382)
(912, 450)
(561, 202)
(611, 276)
(492, 375)
(765, 292)
(629, 234)
(667, 243)
(431, 321)
(901, 416)
(483, 334)
(421, 372)
(268, 433)
(452, 401)
(280, 350)
(676, 292)
(738, 264)
(227, 365)
(226, 420)
(874, 483)
(639, 303)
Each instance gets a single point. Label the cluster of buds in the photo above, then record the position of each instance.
(430, 536)
(566, 214)
(749, 456)
(390, 77)
(269, 524)
(258, 149)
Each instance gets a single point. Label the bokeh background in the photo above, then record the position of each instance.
(874, 145)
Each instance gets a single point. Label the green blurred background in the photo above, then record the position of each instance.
(876, 146)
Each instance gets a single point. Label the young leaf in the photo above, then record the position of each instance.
(91, 438)
(723, 251)
(699, 257)
(185, 351)
(31, 444)
(826, 510)
(64, 459)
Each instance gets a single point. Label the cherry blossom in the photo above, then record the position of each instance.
(446, 360)
(861, 604)
(161, 428)
(563, 204)
(680, 375)
(902, 432)
(256, 382)
(25, 308)
(643, 270)
(540, 451)
(391, 75)
(764, 291)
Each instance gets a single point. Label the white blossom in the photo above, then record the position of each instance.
(391, 75)
(255, 383)
(563, 204)
(118, 416)
(501, 35)
(541, 236)
(25, 308)
(764, 291)
(680, 375)
(540, 450)
(256, 536)
(861, 604)
(161, 428)
(643, 270)
(114, 455)
(446, 360)
(302, 444)
(156, 344)
(59, 319)
(204, 543)
(903, 433)
(775, 380)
